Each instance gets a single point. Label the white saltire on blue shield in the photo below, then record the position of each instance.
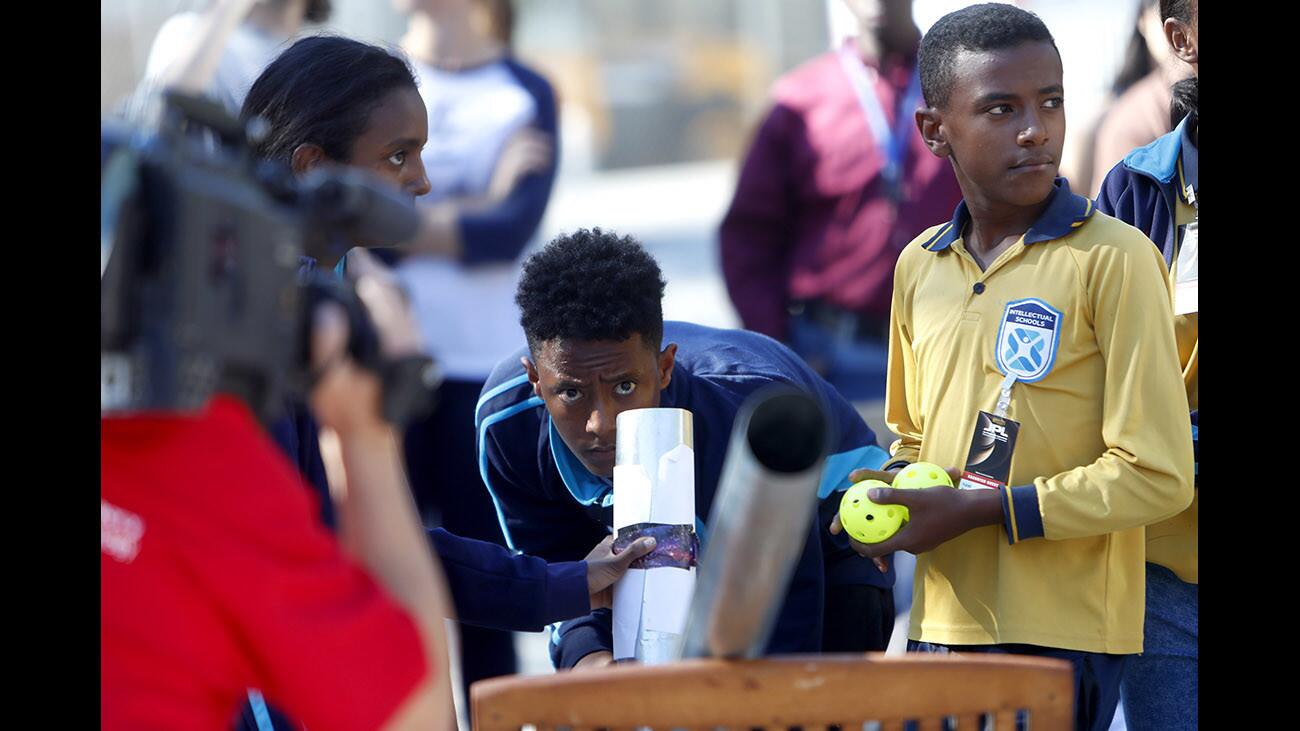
(1027, 339)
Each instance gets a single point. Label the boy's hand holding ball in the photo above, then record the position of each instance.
(870, 523)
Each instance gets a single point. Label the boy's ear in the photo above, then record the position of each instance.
(666, 360)
(929, 121)
(534, 377)
(1181, 40)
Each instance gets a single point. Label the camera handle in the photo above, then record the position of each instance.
(408, 382)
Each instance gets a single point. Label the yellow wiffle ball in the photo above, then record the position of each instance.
(866, 521)
(918, 475)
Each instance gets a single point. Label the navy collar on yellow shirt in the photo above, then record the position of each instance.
(1065, 212)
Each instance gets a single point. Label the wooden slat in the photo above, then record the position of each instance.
(1004, 720)
(970, 722)
(776, 693)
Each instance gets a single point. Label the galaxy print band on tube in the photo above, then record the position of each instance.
(676, 546)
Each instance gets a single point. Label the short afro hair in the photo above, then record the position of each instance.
(986, 27)
(591, 285)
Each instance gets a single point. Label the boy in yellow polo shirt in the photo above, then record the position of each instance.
(1031, 348)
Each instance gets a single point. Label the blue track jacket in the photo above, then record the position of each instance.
(491, 587)
(551, 506)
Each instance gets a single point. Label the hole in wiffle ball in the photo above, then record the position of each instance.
(871, 516)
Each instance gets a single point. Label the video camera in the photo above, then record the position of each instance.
(208, 267)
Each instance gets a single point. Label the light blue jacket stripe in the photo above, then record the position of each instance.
(483, 462)
(835, 476)
(497, 391)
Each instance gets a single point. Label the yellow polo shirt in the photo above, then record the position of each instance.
(1104, 446)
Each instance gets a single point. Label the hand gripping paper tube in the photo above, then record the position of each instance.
(654, 494)
(760, 519)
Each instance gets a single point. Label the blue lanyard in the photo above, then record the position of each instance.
(892, 143)
(260, 715)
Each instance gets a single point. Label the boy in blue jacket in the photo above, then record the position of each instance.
(591, 306)
(1156, 189)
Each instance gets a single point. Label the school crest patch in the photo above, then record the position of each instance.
(1027, 339)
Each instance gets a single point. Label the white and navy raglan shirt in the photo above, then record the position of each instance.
(465, 309)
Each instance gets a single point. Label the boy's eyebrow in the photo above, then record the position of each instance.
(993, 96)
(624, 376)
(996, 96)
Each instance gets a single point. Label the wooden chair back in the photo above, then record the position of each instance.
(807, 692)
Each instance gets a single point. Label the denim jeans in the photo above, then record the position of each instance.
(855, 366)
(1159, 685)
(1096, 678)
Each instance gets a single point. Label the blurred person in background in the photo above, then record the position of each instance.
(836, 182)
(253, 44)
(1157, 189)
(1140, 112)
(491, 160)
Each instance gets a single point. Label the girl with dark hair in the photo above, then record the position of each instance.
(1135, 110)
(332, 100)
(1141, 89)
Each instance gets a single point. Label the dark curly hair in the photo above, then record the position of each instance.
(321, 91)
(591, 285)
(987, 27)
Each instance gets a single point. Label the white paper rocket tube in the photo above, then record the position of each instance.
(654, 483)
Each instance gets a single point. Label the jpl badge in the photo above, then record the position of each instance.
(988, 464)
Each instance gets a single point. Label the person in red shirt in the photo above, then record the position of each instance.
(216, 576)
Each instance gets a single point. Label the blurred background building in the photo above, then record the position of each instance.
(659, 99)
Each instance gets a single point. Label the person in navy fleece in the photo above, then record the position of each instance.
(591, 305)
(330, 100)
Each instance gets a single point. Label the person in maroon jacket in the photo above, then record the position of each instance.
(836, 183)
